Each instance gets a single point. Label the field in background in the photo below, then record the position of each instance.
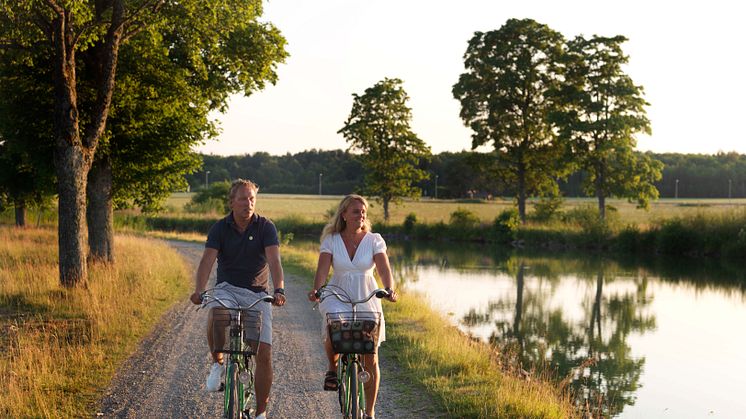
(314, 208)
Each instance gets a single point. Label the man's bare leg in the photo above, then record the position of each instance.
(263, 376)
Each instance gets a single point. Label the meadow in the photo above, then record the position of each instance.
(314, 208)
(59, 347)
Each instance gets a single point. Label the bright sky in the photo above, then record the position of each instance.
(687, 55)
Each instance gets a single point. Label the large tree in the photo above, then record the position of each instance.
(83, 40)
(504, 95)
(64, 29)
(170, 78)
(378, 128)
(603, 111)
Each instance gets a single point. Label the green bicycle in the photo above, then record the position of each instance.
(352, 334)
(243, 326)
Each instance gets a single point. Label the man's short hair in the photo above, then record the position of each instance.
(238, 183)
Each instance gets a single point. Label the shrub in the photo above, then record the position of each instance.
(212, 199)
(674, 238)
(547, 208)
(409, 222)
(595, 231)
(506, 225)
(463, 218)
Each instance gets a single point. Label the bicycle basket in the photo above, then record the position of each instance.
(354, 332)
(251, 321)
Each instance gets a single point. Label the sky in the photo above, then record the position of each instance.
(688, 56)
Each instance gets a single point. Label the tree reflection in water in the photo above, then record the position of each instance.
(591, 354)
(570, 314)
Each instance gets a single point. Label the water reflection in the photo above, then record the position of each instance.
(575, 314)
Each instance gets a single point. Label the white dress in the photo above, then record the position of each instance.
(354, 276)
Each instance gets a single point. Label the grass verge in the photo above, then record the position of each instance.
(60, 347)
(463, 375)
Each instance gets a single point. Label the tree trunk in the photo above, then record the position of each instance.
(100, 213)
(386, 209)
(70, 159)
(600, 181)
(74, 154)
(20, 214)
(522, 194)
(71, 174)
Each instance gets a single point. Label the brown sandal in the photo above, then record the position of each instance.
(330, 381)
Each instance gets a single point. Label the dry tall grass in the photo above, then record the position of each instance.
(60, 347)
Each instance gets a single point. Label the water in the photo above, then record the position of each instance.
(639, 339)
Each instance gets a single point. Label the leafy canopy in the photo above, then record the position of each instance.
(378, 128)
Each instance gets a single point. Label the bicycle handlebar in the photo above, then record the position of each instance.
(326, 292)
(207, 295)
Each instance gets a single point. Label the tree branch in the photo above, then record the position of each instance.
(133, 24)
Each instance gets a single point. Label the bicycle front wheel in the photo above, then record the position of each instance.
(356, 408)
(233, 410)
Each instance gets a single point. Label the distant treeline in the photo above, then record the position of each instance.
(458, 175)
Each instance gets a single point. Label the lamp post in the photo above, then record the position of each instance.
(436, 186)
(320, 175)
(676, 190)
(207, 182)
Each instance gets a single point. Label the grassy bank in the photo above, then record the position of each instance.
(464, 376)
(60, 346)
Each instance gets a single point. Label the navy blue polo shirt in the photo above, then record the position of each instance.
(241, 258)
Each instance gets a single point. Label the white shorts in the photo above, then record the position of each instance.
(233, 296)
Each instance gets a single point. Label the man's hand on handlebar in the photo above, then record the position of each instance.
(196, 298)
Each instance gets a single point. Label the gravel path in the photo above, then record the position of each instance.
(166, 375)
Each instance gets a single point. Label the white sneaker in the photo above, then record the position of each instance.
(213, 380)
(261, 416)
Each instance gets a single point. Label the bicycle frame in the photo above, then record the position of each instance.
(239, 376)
(351, 371)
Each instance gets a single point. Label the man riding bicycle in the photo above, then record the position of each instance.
(246, 248)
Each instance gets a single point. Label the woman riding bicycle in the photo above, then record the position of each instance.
(348, 245)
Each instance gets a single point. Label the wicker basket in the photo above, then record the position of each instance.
(251, 321)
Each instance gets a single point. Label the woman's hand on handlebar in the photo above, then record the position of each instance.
(393, 296)
(313, 296)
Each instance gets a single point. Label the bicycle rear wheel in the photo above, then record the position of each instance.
(232, 387)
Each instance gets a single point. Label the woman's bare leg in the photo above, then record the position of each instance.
(371, 387)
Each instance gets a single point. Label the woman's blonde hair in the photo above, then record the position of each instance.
(337, 223)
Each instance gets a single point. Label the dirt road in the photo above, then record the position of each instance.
(166, 376)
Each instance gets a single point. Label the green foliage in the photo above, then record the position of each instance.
(463, 219)
(409, 222)
(547, 208)
(504, 95)
(505, 226)
(212, 199)
(26, 152)
(602, 111)
(675, 238)
(378, 128)
(596, 231)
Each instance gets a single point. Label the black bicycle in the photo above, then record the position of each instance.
(352, 334)
(243, 326)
